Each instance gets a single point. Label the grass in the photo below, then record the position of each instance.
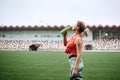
(39, 65)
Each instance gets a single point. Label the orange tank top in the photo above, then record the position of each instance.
(71, 46)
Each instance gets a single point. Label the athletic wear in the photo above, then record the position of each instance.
(71, 46)
(80, 68)
(71, 49)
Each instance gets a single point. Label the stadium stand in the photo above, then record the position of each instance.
(49, 38)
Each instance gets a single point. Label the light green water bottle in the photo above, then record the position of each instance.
(68, 28)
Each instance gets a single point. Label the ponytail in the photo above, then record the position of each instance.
(82, 28)
(86, 32)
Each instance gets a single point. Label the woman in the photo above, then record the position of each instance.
(74, 49)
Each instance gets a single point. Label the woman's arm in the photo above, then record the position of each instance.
(65, 39)
(79, 53)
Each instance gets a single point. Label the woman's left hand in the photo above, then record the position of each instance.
(74, 72)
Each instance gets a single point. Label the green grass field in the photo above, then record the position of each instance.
(39, 65)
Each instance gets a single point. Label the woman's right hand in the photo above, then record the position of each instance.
(65, 33)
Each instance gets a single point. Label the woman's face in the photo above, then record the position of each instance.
(74, 28)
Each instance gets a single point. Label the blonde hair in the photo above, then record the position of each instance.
(86, 32)
(82, 28)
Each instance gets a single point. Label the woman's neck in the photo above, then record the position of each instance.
(76, 33)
